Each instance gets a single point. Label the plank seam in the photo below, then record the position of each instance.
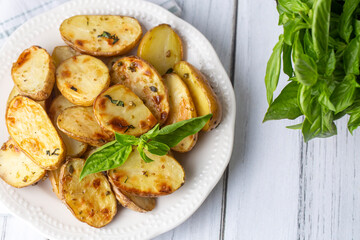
(3, 234)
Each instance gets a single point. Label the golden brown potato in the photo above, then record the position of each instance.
(15, 92)
(101, 35)
(118, 109)
(81, 78)
(90, 200)
(161, 47)
(31, 128)
(161, 177)
(61, 53)
(205, 99)
(33, 73)
(135, 203)
(145, 82)
(80, 123)
(181, 108)
(74, 148)
(17, 169)
(54, 180)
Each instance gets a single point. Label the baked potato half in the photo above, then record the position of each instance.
(161, 177)
(54, 180)
(133, 202)
(145, 82)
(161, 47)
(82, 78)
(15, 92)
(17, 169)
(106, 35)
(118, 109)
(34, 73)
(80, 123)
(62, 53)
(181, 108)
(74, 148)
(204, 97)
(31, 128)
(90, 200)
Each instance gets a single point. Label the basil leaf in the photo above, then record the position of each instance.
(344, 94)
(322, 126)
(345, 27)
(305, 69)
(310, 130)
(151, 133)
(294, 5)
(109, 156)
(295, 127)
(126, 140)
(287, 65)
(143, 155)
(285, 105)
(172, 134)
(157, 148)
(309, 46)
(291, 27)
(308, 103)
(321, 25)
(324, 99)
(357, 27)
(273, 70)
(330, 64)
(351, 57)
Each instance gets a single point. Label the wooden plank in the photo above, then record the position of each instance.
(263, 181)
(215, 19)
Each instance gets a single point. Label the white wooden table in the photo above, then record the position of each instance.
(276, 186)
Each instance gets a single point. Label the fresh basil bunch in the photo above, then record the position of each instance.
(157, 141)
(320, 53)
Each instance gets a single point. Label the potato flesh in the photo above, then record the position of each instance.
(204, 98)
(161, 177)
(134, 118)
(82, 33)
(90, 200)
(54, 180)
(74, 148)
(145, 82)
(161, 47)
(15, 92)
(31, 128)
(33, 73)
(62, 53)
(181, 108)
(80, 123)
(17, 169)
(82, 78)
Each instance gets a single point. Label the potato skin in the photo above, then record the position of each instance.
(132, 117)
(15, 92)
(54, 180)
(145, 82)
(161, 177)
(90, 200)
(181, 108)
(17, 169)
(31, 128)
(61, 53)
(82, 33)
(204, 97)
(82, 78)
(161, 47)
(34, 73)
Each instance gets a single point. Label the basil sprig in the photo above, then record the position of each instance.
(157, 141)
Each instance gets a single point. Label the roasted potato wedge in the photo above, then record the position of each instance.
(34, 73)
(161, 47)
(145, 82)
(62, 53)
(135, 203)
(181, 108)
(74, 148)
(81, 78)
(17, 169)
(161, 177)
(54, 180)
(15, 92)
(101, 35)
(31, 128)
(119, 109)
(80, 123)
(205, 99)
(90, 200)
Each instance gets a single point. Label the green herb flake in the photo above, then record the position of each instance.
(116, 102)
(73, 88)
(170, 70)
(153, 89)
(109, 36)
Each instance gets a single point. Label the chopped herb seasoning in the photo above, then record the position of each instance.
(120, 64)
(116, 102)
(128, 127)
(109, 36)
(107, 193)
(132, 67)
(126, 179)
(170, 70)
(168, 53)
(54, 152)
(186, 75)
(25, 179)
(48, 152)
(145, 173)
(123, 77)
(153, 89)
(71, 169)
(73, 88)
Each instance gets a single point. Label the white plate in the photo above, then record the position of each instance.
(203, 166)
